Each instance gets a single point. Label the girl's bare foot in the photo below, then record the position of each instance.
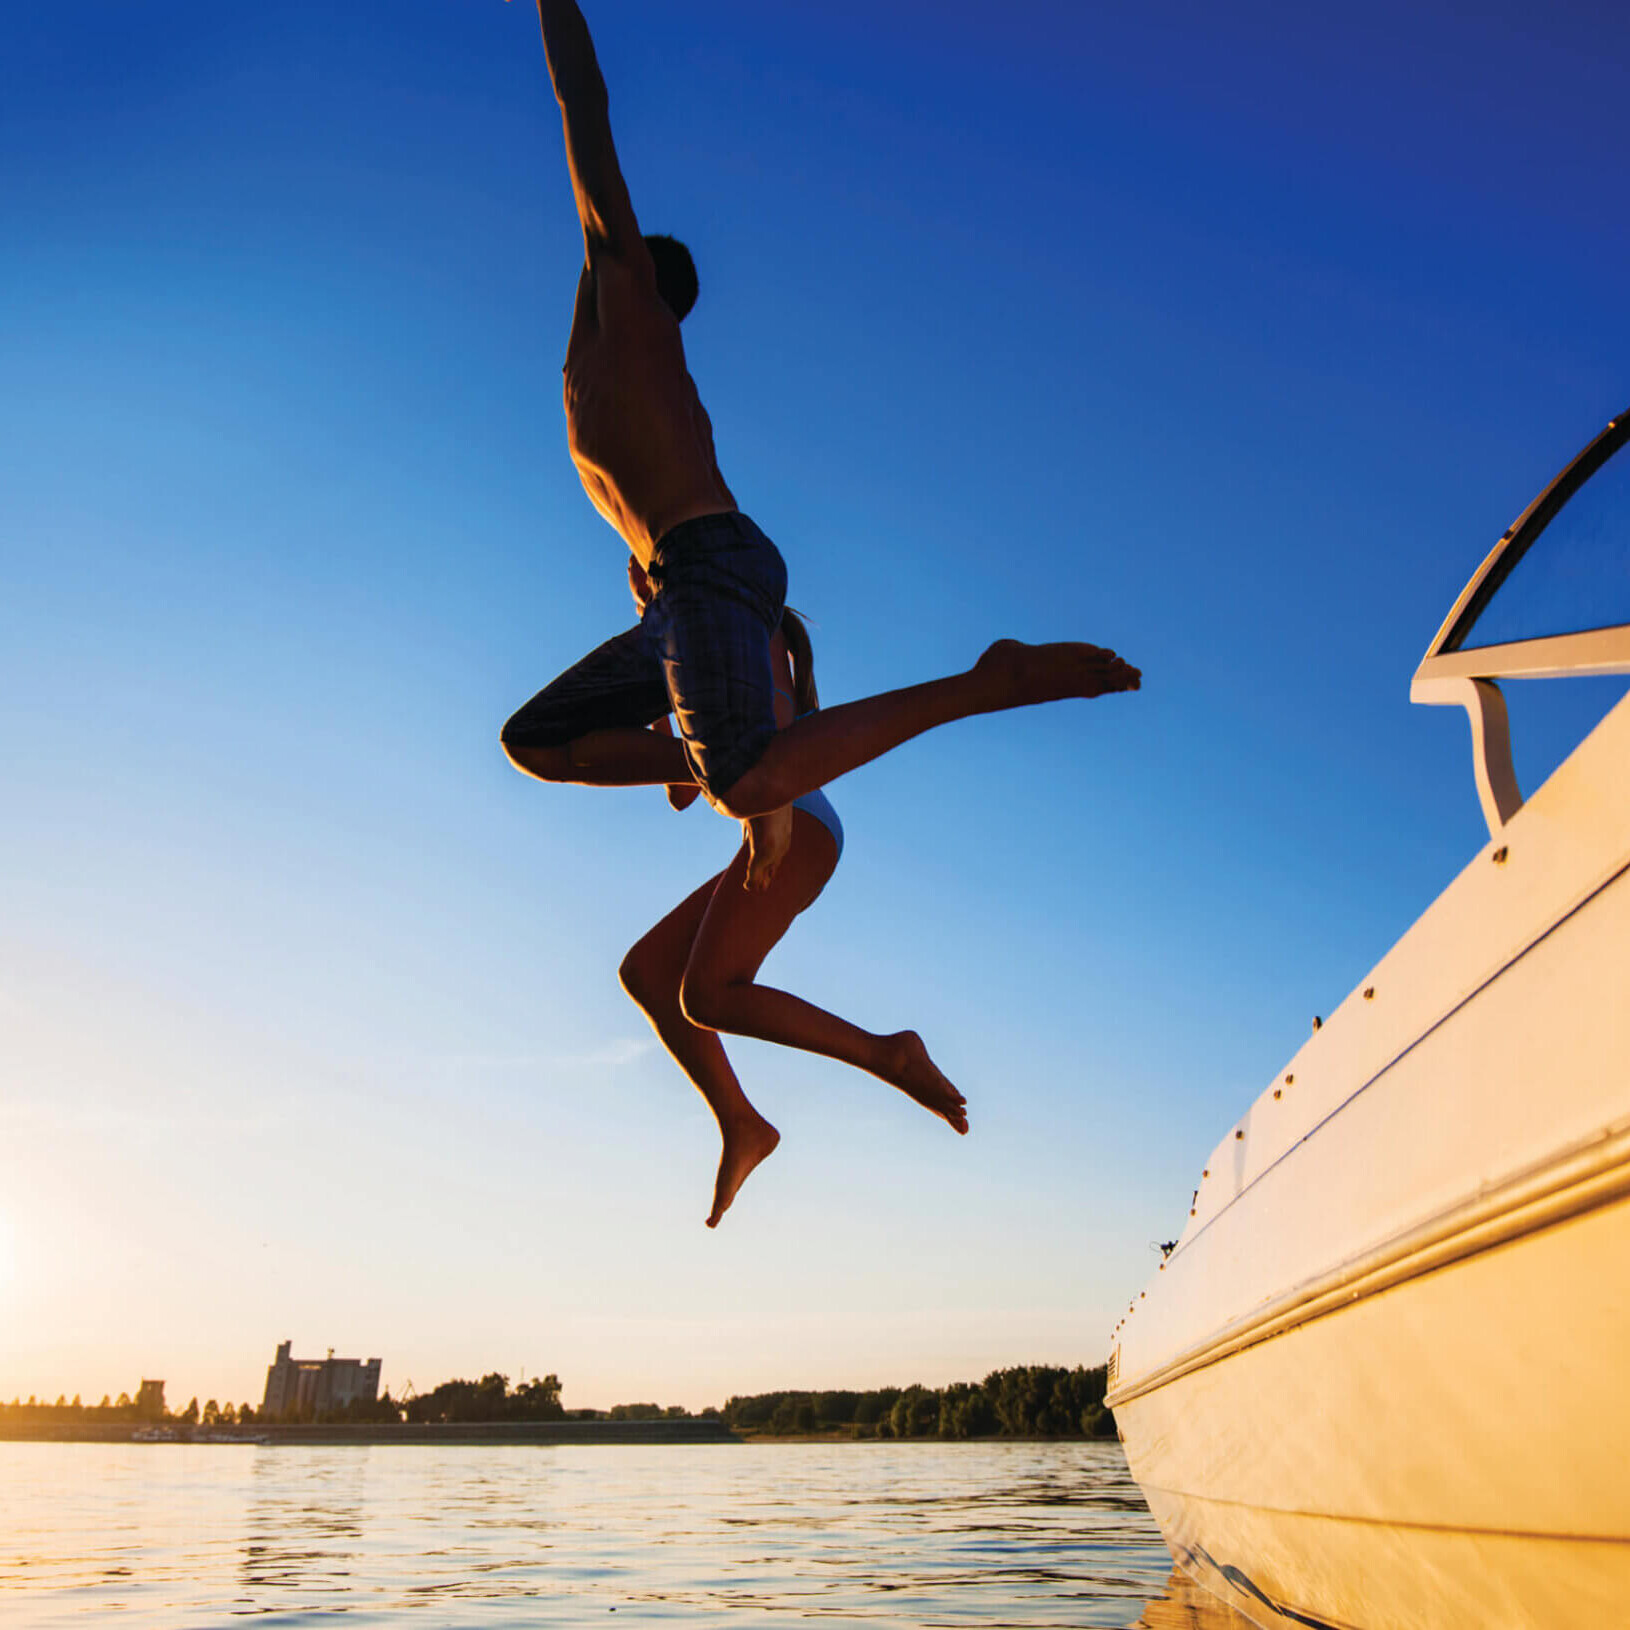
(908, 1067)
(744, 1148)
(1017, 675)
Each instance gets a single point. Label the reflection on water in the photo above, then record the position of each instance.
(179, 1535)
(1186, 1606)
(303, 1534)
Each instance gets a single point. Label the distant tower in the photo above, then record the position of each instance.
(279, 1381)
(150, 1400)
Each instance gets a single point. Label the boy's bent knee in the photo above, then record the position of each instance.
(635, 978)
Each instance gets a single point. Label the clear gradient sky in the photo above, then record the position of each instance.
(1228, 336)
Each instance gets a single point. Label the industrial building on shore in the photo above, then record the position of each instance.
(310, 1386)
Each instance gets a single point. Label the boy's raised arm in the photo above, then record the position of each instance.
(603, 204)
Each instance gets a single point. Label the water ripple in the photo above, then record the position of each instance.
(965, 1536)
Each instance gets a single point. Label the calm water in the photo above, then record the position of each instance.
(182, 1535)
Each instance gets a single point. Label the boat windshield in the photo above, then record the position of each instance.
(1572, 576)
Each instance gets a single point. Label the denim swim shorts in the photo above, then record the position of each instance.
(701, 651)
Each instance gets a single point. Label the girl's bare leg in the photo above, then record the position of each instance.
(693, 976)
(651, 974)
(739, 929)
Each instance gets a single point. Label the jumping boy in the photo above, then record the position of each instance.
(643, 447)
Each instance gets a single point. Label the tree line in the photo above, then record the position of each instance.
(124, 1409)
(1028, 1400)
(488, 1399)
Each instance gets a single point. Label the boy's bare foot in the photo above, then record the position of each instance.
(768, 839)
(911, 1070)
(744, 1148)
(1017, 675)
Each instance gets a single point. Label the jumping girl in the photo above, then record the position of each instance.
(695, 973)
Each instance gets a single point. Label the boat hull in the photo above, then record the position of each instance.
(1410, 1459)
(1381, 1380)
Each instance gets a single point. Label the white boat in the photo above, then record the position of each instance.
(1383, 1377)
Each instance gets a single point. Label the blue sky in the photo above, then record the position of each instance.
(1229, 339)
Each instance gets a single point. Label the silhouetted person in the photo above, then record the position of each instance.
(695, 974)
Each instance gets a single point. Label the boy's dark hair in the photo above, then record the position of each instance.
(676, 273)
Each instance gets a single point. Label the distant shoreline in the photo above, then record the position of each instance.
(498, 1434)
(484, 1434)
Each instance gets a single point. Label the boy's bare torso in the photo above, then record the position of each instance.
(638, 433)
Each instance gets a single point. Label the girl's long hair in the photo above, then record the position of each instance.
(804, 695)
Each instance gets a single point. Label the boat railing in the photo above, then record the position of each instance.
(1521, 616)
